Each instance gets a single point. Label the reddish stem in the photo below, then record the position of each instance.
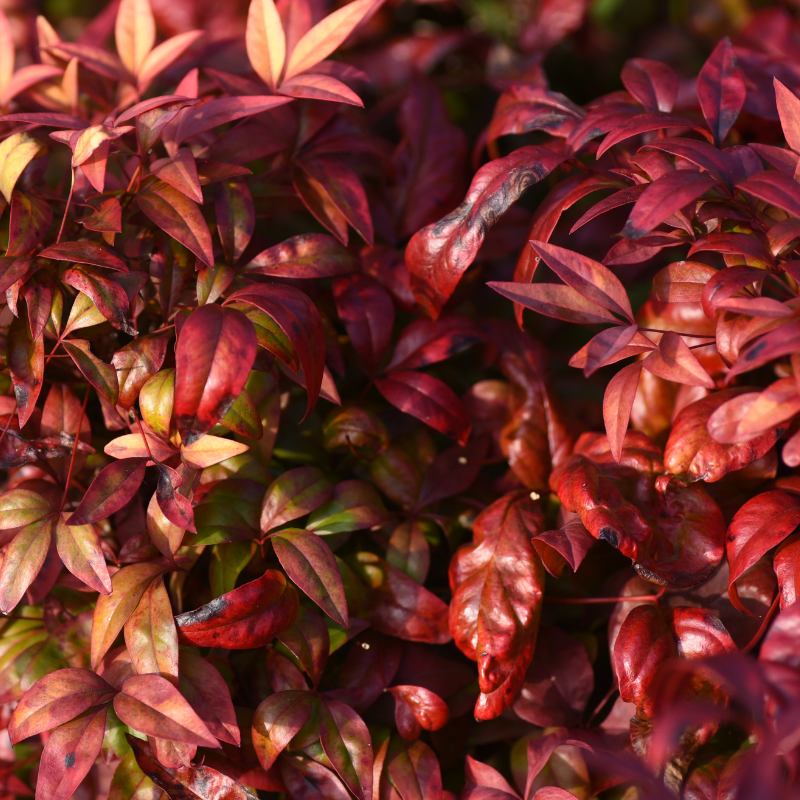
(591, 601)
(689, 335)
(141, 431)
(66, 210)
(764, 624)
(74, 451)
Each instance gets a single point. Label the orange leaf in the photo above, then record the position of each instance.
(327, 35)
(265, 41)
(135, 33)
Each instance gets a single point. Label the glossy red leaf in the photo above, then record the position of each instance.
(180, 172)
(113, 488)
(113, 611)
(554, 300)
(99, 374)
(215, 352)
(300, 321)
(247, 617)
(80, 549)
(398, 605)
(25, 359)
(367, 312)
(30, 220)
(416, 709)
(693, 454)
(233, 206)
(309, 562)
(425, 341)
(150, 634)
(428, 399)
(606, 347)
(663, 197)
(593, 483)
(497, 583)
(94, 255)
(760, 524)
(721, 90)
(439, 254)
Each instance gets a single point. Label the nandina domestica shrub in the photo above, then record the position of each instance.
(296, 502)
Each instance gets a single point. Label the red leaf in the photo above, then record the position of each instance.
(215, 352)
(617, 404)
(112, 489)
(84, 253)
(643, 123)
(774, 188)
(606, 348)
(30, 220)
(236, 217)
(691, 452)
(417, 708)
(325, 181)
(439, 254)
(209, 696)
(558, 683)
(425, 341)
(652, 83)
(180, 172)
(25, 359)
(428, 399)
(300, 321)
(180, 217)
(429, 161)
(346, 742)
(674, 361)
(789, 112)
(277, 720)
(497, 583)
(309, 562)
(367, 311)
(247, 617)
(69, 754)
(398, 605)
(57, 698)
(152, 705)
(310, 255)
(320, 87)
(187, 782)
(721, 90)
(663, 197)
(760, 524)
(554, 300)
(592, 484)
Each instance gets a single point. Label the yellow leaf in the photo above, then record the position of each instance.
(16, 153)
(210, 450)
(266, 41)
(327, 35)
(135, 33)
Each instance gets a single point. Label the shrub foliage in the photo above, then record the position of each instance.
(292, 499)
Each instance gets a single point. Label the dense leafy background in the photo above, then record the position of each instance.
(298, 497)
